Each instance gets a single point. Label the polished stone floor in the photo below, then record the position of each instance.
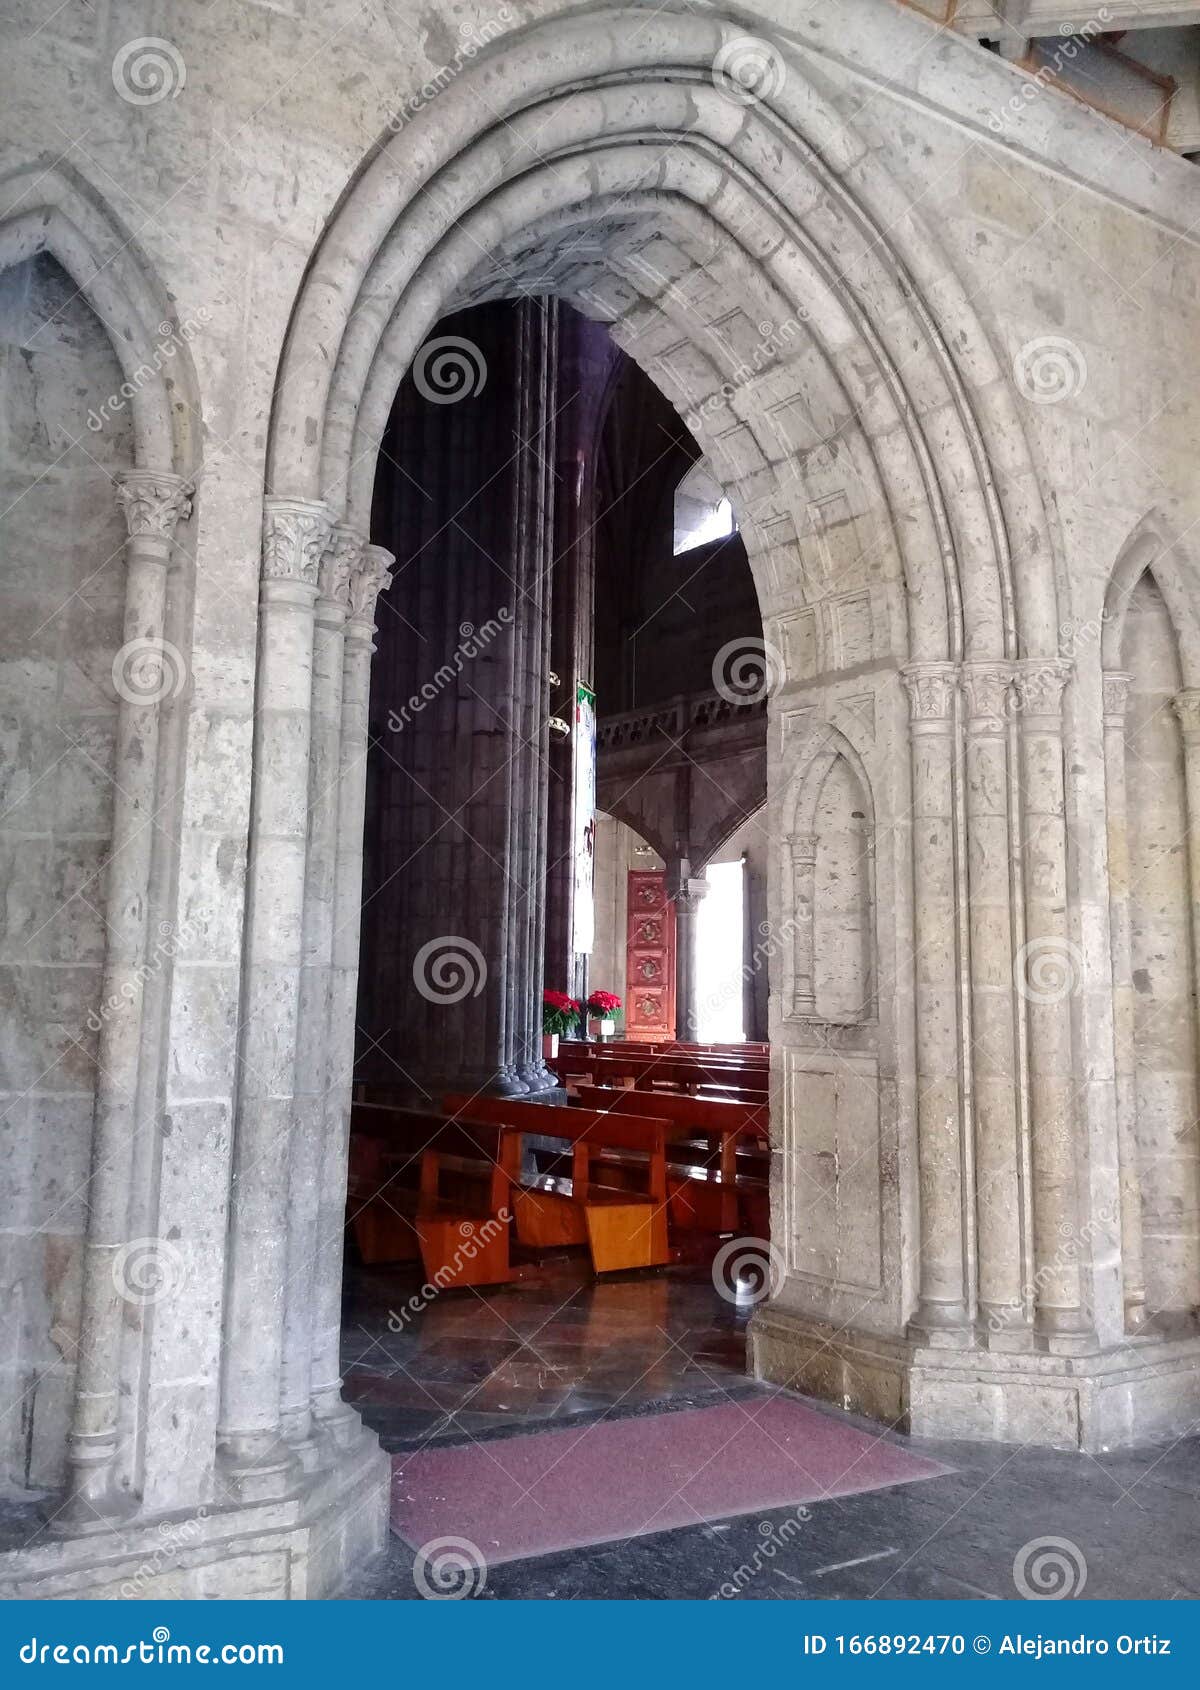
(563, 1348)
(557, 1346)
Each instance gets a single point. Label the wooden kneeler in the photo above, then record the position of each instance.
(623, 1228)
(457, 1214)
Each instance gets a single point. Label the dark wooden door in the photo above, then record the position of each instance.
(649, 957)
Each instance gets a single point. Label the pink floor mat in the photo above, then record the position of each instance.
(531, 1495)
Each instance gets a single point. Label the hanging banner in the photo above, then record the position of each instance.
(584, 785)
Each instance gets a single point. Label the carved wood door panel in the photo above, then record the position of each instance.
(649, 957)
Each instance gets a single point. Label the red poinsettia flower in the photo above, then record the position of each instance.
(559, 1012)
(603, 1003)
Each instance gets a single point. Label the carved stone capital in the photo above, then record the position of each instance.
(341, 557)
(372, 576)
(152, 502)
(930, 688)
(296, 532)
(804, 849)
(986, 691)
(1186, 706)
(1116, 696)
(1040, 684)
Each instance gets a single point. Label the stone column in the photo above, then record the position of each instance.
(1046, 976)
(1000, 1159)
(804, 868)
(296, 534)
(145, 672)
(369, 576)
(312, 1049)
(1133, 1274)
(687, 902)
(943, 1297)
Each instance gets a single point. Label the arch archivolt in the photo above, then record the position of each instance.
(759, 263)
(49, 209)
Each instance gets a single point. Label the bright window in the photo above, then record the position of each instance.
(720, 929)
(702, 512)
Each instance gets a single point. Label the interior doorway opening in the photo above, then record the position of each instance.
(553, 753)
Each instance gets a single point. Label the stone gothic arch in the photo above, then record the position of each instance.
(47, 208)
(750, 256)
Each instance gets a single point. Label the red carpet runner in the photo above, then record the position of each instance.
(531, 1495)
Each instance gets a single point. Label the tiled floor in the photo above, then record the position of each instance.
(563, 1348)
(553, 1347)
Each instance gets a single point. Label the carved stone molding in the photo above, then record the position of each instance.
(370, 578)
(1040, 685)
(296, 533)
(1116, 697)
(153, 502)
(341, 557)
(930, 688)
(804, 849)
(1186, 705)
(986, 691)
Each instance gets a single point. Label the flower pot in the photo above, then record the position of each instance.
(601, 1027)
(549, 1046)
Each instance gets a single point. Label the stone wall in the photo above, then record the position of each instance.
(941, 345)
(62, 542)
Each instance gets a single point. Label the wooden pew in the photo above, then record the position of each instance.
(719, 1144)
(646, 1073)
(624, 1226)
(420, 1184)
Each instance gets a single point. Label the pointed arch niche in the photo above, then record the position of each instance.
(1152, 769)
